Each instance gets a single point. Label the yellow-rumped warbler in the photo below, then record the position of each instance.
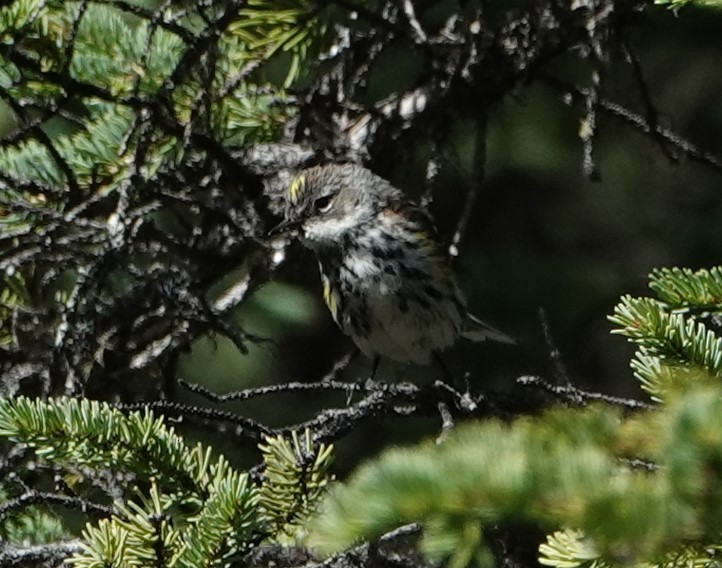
(385, 277)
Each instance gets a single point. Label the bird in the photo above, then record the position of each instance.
(387, 280)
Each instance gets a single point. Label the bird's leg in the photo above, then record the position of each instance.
(447, 421)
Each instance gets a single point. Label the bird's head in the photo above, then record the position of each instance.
(325, 203)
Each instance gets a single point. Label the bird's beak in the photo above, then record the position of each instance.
(285, 227)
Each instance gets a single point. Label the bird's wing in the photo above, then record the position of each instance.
(473, 328)
(423, 220)
(476, 330)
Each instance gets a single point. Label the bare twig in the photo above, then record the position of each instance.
(54, 552)
(588, 129)
(575, 94)
(418, 32)
(327, 383)
(244, 427)
(650, 112)
(361, 553)
(554, 354)
(41, 497)
(281, 388)
(573, 395)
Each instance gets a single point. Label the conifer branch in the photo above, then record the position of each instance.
(668, 335)
(579, 94)
(676, 4)
(682, 288)
(33, 497)
(296, 475)
(569, 548)
(245, 427)
(49, 554)
(574, 395)
(92, 434)
(540, 471)
(674, 346)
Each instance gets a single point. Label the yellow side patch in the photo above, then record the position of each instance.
(426, 243)
(297, 189)
(330, 297)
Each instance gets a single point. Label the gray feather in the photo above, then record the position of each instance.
(477, 330)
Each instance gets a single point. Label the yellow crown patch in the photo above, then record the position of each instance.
(297, 189)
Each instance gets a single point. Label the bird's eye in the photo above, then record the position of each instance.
(323, 204)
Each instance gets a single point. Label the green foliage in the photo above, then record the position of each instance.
(682, 288)
(90, 433)
(14, 295)
(572, 549)
(132, 62)
(29, 526)
(569, 549)
(139, 536)
(291, 26)
(570, 468)
(296, 476)
(95, 151)
(674, 343)
(227, 523)
(149, 532)
(123, 58)
(562, 469)
(674, 4)
(186, 508)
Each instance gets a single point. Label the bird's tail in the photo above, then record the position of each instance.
(476, 330)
